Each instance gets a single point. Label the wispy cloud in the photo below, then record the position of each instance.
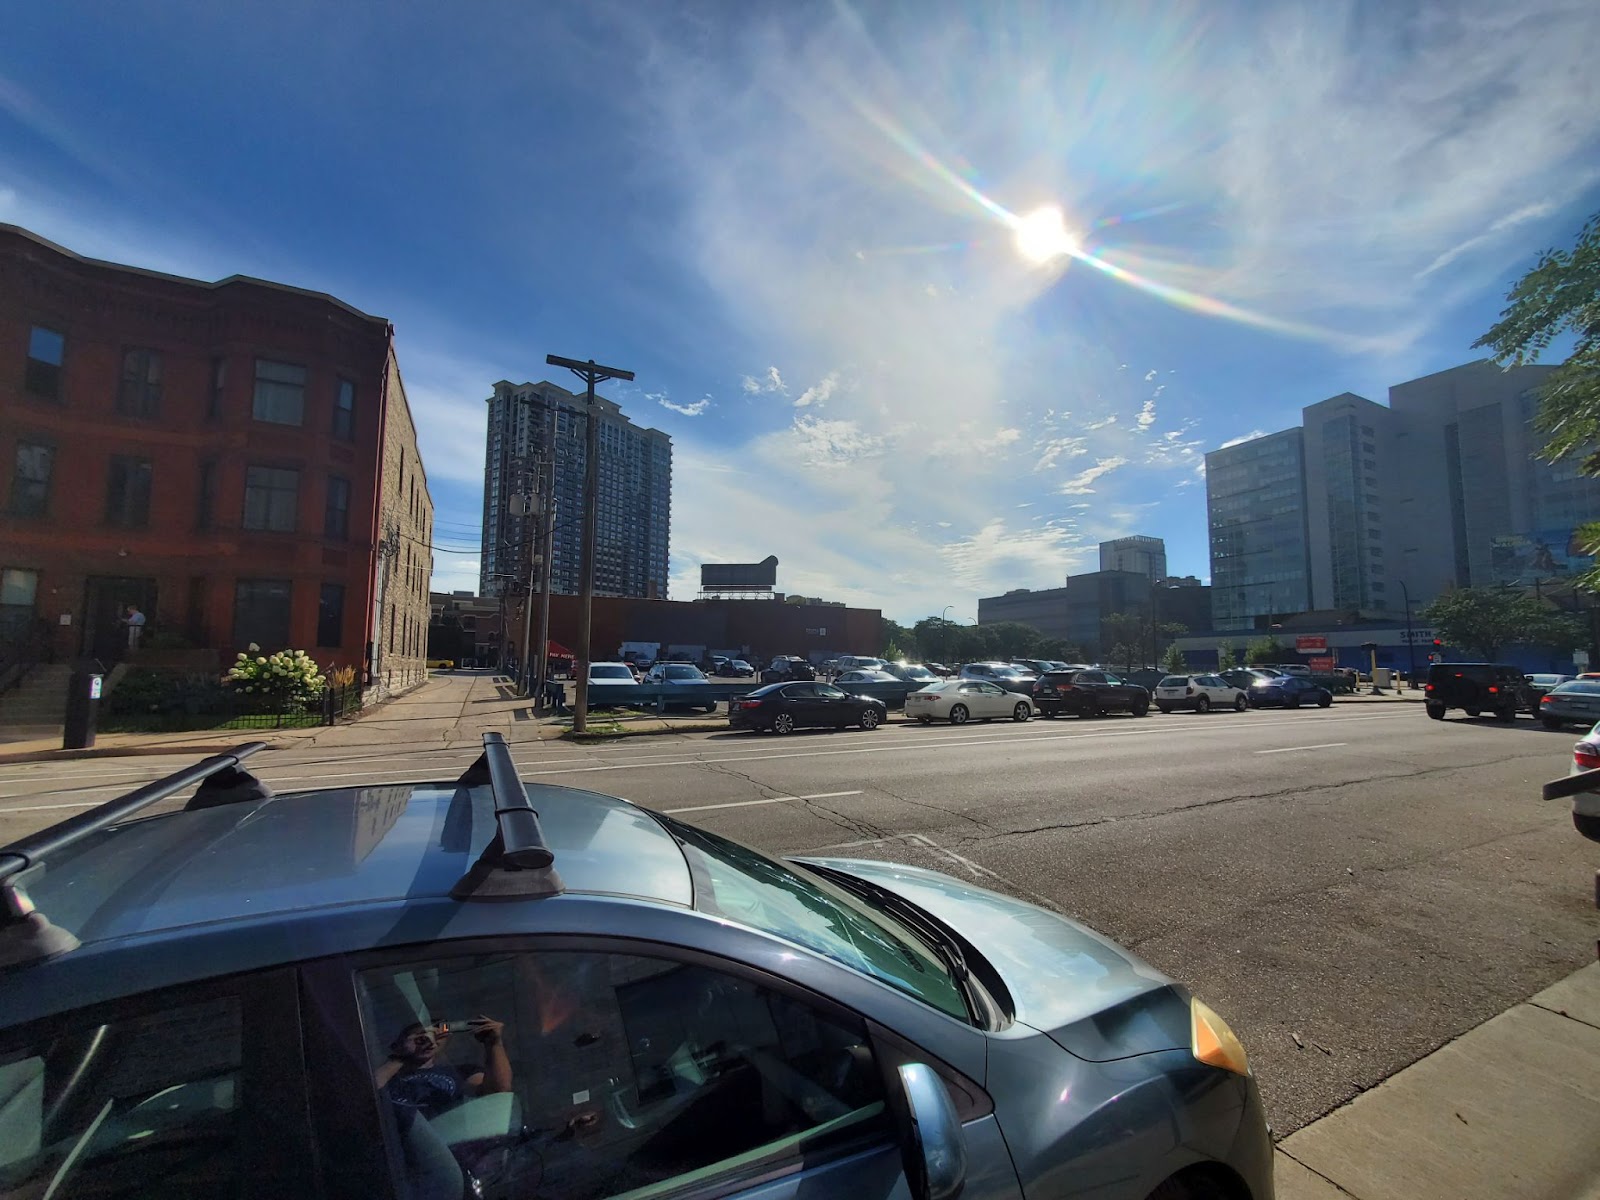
(819, 392)
(1147, 416)
(688, 410)
(1242, 438)
(1528, 212)
(770, 382)
(1079, 484)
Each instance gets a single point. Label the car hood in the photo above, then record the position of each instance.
(1095, 999)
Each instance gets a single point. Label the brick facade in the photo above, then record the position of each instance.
(207, 451)
(405, 537)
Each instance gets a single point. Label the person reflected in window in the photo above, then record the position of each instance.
(414, 1078)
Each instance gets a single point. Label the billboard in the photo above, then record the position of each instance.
(734, 577)
(1543, 555)
(1307, 642)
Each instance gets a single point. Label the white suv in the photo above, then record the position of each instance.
(1199, 692)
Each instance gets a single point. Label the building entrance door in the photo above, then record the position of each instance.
(105, 603)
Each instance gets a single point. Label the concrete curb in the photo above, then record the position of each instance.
(27, 756)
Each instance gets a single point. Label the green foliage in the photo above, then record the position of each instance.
(1485, 620)
(1060, 650)
(286, 675)
(1227, 660)
(1122, 655)
(147, 691)
(1172, 662)
(892, 652)
(892, 634)
(1264, 650)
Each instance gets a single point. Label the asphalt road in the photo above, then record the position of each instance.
(1350, 887)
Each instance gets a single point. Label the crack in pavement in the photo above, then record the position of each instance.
(949, 812)
(848, 823)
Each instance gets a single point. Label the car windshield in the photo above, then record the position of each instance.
(1579, 687)
(603, 671)
(684, 673)
(740, 884)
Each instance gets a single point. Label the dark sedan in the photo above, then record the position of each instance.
(1288, 691)
(1574, 703)
(1088, 693)
(785, 707)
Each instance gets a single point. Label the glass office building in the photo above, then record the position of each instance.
(1256, 512)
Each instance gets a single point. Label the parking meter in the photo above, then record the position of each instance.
(83, 705)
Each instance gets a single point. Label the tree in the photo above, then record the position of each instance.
(1173, 662)
(1561, 294)
(1226, 660)
(1124, 633)
(891, 634)
(1484, 620)
(893, 653)
(1264, 650)
(1123, 652)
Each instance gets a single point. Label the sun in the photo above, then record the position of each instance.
(1042, 235)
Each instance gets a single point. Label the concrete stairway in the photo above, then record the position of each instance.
(37, 704)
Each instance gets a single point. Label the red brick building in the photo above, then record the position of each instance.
(237, 459)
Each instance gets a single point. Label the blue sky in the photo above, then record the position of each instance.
(795, 222)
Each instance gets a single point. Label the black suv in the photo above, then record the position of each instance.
(1497, 688)
(787, 667)
(1088, 693)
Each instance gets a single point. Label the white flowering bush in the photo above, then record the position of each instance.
(286, 675)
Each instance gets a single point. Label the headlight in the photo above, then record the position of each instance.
(1212, 1042)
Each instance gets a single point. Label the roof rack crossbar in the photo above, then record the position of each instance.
(1572, 785)
(518, 863)
(34, 849)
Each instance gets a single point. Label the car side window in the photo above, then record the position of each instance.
(993, 689)
(828, 692)
(799, 691)
(138, 1106)
(594, 1074)
(1090, 677)
(970, 688)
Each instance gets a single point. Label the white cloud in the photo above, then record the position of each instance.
(770, 382)
(818, 392)
(1103, 422)
(1078, 485)
(1149, 375)
(828, 444)
(1528, 212)
(1055, 448)
(688, 410)
(1240, 440)
(1147, 415)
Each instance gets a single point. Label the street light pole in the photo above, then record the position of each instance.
(590, 372)
(944, 635)
(1411, 645)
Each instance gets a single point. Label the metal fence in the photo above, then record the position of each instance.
(226, 709)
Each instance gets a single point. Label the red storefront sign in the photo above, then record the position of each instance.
(1321, 665)
(1310, 641)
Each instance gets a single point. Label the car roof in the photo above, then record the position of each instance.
(300, 852)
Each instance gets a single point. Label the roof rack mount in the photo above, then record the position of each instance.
(518, 863)
(26, 935)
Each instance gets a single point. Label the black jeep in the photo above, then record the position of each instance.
(1497, 688)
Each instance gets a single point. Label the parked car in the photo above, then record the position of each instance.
(612, 674)
(733, 668)
(1036, 666)
(1300, 669)
(1574, 703)
(1476, 688)
(1201, 693)
(743, 1025)
(939, 669)
(1244, 678)
(788, 666)
(857, 662)
(1586, 804)
(1288, 691)
(1007, 676)
(1088, 692)
(961, 700)
(867, 676)
(681, 675)
(913, 672)
(785, 707)
(1539, 684)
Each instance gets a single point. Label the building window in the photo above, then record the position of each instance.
(128, 491)
(261, 613)
(280, 395)
(344, 411)
(219, 383)
(336, 518)
(19, 590)
(205, 504)
(30, 483)
(140, 393)
(330, 615)
(271, 496)
(46, 349)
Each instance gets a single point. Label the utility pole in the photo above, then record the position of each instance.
(590, 372)
(530, 509)
(547, 549)
(1411, 645)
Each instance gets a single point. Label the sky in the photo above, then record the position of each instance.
(798, 224)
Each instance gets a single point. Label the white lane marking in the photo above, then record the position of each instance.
(768, 800)
(50, 807)
(1292, 749)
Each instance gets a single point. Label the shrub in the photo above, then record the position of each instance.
(286, 675)
(148, 690)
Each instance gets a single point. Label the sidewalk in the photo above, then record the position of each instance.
(1508, 1110)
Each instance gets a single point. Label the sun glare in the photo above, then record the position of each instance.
(1042, 235)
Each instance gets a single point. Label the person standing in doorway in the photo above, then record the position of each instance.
(135, 623)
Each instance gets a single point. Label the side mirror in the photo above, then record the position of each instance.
(935, 1149)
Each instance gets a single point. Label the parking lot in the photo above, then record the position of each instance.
(1351, 887)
